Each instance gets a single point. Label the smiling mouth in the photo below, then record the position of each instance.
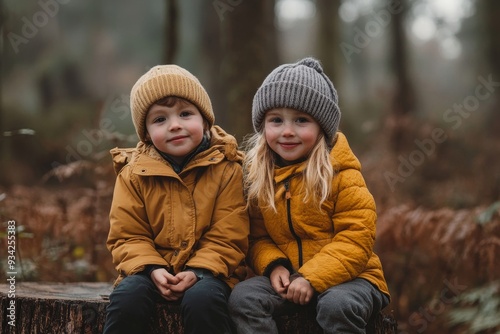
(177, 138)
(288, 145)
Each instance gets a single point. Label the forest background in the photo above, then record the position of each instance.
(419, 88)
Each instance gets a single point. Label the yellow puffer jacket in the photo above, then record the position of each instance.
(327, 247)
(196, 218)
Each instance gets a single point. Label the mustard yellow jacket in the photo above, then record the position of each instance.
(327, 247)
(196, 218)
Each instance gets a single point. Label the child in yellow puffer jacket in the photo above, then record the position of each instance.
(312, 224)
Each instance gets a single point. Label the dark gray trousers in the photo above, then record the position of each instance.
(345, 308)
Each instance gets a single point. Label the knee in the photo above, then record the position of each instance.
(245, 295)
(201, 302)
(335, 305)
(237, 301)
(206, 296)
(238, 295)
(132, 296)
(341, 304)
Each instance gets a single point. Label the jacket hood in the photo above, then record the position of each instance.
(342, 156)
(226, 144)
(219, 140)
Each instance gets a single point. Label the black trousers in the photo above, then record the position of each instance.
(204, 306)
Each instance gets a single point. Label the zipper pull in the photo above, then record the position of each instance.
(288, 195)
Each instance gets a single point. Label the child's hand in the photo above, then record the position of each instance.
(280, 280)
(300, 291)
(186, 280)
(164, 281)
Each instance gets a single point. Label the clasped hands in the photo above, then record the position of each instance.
(172, 287)
(297, 290)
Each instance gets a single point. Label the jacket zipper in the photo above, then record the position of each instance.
(288, 196)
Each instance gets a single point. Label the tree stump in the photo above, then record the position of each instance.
(60, 308)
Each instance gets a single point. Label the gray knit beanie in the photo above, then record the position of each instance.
(302, 86)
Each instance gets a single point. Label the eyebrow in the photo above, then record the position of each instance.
(153, 113)
(273, 113)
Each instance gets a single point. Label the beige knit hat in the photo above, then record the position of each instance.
(162, 81)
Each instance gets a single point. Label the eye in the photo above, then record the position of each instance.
(302, 120)
(186, 113)
(159, 119)
(274, 119)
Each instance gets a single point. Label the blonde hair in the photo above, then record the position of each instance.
(259, 164)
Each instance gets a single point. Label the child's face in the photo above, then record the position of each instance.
(290, 133)
(175, 130)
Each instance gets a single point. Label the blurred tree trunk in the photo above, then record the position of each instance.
(211, 48)
(404, 99)
(172, 14)
(328, 37)
(249, 53)
(490, 14)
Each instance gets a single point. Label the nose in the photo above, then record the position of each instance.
(174, 124)
(288, 130)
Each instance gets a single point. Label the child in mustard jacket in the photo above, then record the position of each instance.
(178, 221)
(312, 221)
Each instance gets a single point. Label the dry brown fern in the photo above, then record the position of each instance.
(422, 251)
